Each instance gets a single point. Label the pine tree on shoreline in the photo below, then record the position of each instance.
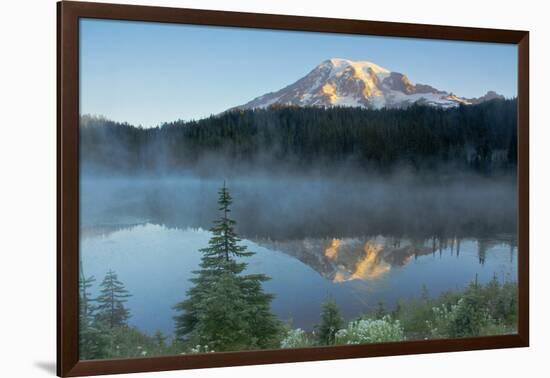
(110, 308)
(92, 341)
(225, 309)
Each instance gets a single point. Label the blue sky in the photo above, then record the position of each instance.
(147, 73)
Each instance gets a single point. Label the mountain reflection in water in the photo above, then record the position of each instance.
(347, 259)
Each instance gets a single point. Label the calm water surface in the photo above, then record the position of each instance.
(156, 262)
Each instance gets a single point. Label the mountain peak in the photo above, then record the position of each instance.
(361, 65)
(344, 82)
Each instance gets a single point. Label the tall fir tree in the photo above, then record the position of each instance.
(111, 310)
(331, 322)
(225, 309)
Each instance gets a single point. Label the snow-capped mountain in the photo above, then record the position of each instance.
(342, 82)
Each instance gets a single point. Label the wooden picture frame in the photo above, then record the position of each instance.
(69, 13)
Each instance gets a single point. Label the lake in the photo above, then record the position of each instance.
(315, 238)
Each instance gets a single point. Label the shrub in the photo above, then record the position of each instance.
(331, 322)
(464, 319)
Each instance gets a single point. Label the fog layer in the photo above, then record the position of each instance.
(333, 204)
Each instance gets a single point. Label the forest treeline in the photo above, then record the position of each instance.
(481, 138)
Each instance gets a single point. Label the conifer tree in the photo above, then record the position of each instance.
(380, 311)
(160, 339)
(110, 308)
(225, 309)
(264, 328)
(85, 306)
(216, 258)
(331, 322)
(92, 343)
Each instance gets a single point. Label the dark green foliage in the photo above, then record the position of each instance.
(110, 303)
(485, 307)
(470, 316)
(224, 244)
(125, 342)
(86, 307)
(222, 316)
(160, 339)
(95, 330)
(93, 343)
(380, 311)
(413, 315)
(218, 257)
(479, 137)
(264, 329)
(103, 331)
(501, 301)
(226, 309)
(478, 310)
(331, 322)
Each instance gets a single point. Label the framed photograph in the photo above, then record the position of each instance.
(238, 188)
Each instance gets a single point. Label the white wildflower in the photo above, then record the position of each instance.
(370, 331)
(295, 338)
